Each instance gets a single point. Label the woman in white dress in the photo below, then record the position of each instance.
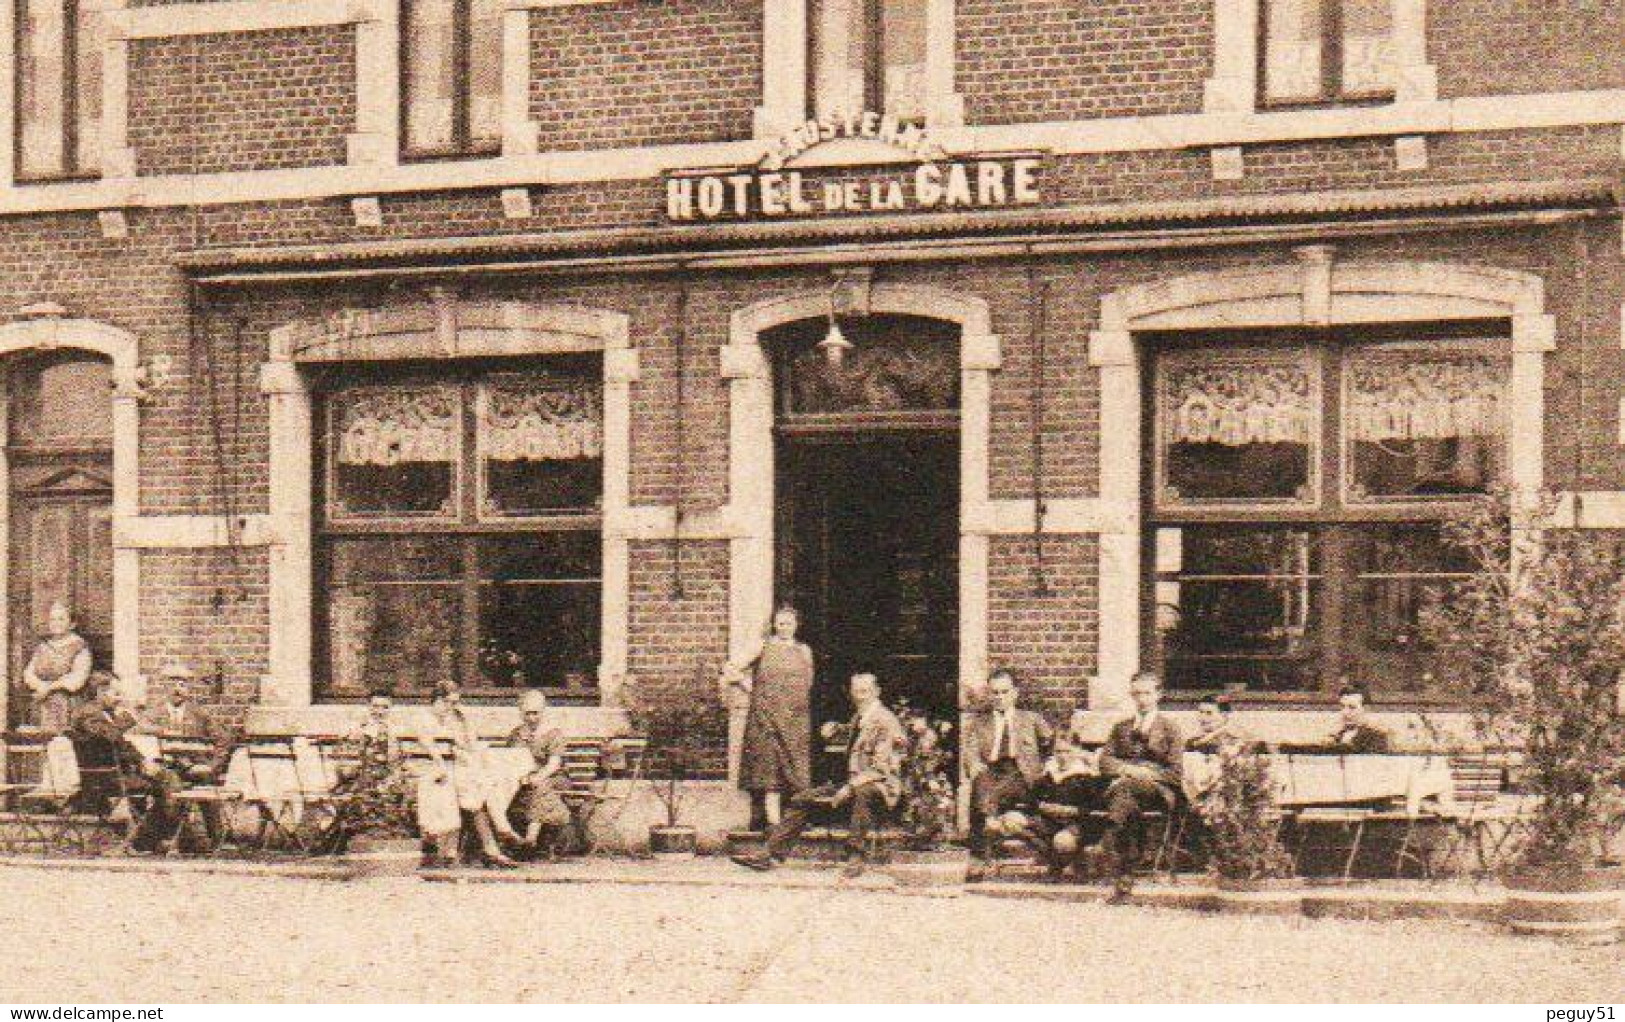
(469, 777)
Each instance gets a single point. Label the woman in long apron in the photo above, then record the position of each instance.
(775, 756)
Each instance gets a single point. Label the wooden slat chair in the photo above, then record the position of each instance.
(51, 814)
(1347, 824)
(197, 803)
(601, 774)
(1486, 817)
(26, 770)
(275, 803)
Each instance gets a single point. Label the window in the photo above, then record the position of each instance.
(59, 88)
(460, 534)
(1298, 488)
(1323, 51)
(869, 55)
(451, 69)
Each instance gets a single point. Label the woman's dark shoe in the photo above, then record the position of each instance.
(759, 863)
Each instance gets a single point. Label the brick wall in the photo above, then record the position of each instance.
(679, 642)
(206, 611)
(1051, 60)
(1489, 47)
(1048, 640)
(242, 101)
(645, 72)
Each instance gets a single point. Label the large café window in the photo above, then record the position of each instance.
(460, 530)
(868, 55)
(1297, 492)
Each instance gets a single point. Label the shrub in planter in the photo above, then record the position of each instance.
(682, 727)
(1537, 636)
(1238, 808)
(928, 810)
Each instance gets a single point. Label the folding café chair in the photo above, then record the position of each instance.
(204, 809)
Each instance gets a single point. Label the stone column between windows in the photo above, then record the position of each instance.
(289, 414)
(1117, 652)
(127, 395)
(620, 372)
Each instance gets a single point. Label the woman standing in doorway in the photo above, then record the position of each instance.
(775, 756)
(57, 672)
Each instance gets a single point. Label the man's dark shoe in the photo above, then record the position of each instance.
(976, 872)
(853, 868)
(759, 863)
(1122, 891)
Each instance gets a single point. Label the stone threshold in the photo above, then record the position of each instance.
(347, 868)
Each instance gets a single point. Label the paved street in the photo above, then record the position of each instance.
(91, 936)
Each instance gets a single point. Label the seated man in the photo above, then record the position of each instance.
(1004, 757)
(537, 807)
(182, 718)
(1355, 733)
(1144, 758)
(111, 767)
(872, 787)
(1216, 730)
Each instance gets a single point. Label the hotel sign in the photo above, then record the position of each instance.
(922, 179)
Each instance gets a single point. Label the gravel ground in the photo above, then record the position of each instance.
(89, 936)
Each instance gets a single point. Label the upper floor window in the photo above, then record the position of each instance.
(869, 55)
(1326, 51)
(1295, 508)
(58, 88)
(451, 71)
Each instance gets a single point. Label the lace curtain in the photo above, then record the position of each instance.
(1427, 399)
(389, 427)
(1236, 405)
(553, 420)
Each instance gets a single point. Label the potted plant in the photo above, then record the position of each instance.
(1250, 866)
(1537, 635)
(680, 725)
(928, 810)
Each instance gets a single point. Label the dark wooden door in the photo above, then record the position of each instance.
(869, 552)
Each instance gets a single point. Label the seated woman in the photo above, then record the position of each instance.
(537, 809)
(469, 781)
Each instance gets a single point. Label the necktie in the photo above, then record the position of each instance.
(1001, 745)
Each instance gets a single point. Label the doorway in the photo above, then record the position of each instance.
(59, 452)
(867, 508)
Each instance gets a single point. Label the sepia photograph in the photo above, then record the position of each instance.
(812, 502)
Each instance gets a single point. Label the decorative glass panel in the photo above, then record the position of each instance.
(540, 609)
(541, 443)
(1424, 425)
(1368, 47)
(903, 50)
(1236, 429)
(1292, 49)
(42, 39)
(395, 451)
(1398, 569)
(430, 85)
(1238, 606)
(485, 74)
(892, 368)
(395, 609)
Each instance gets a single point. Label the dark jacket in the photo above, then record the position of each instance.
(1162, 748)
(1029, 741)
(1365, 740)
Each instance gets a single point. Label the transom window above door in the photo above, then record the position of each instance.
(869, 55)
(1296, 500)
(460, 529)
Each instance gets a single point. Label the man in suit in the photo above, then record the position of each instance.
(1004, 757)
(1356, 734)
(873, 784)
(1144, 760)
(112, 767)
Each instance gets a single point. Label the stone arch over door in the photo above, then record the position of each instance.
(438, 327)
(1315, 290)
(751, 471)
(48, 328)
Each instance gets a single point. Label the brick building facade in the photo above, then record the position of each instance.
(491, 338)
